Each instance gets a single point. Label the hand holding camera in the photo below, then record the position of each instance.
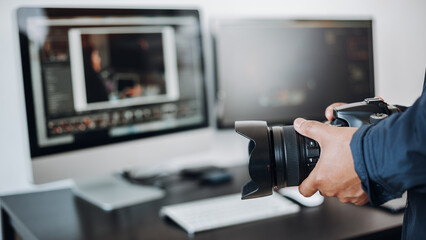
(280, 156)
(334, 174)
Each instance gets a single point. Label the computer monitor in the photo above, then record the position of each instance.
(108, 89)
(279, 69)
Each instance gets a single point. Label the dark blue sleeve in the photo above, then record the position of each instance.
(390, 157)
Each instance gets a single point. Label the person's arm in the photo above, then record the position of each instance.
(390, 157)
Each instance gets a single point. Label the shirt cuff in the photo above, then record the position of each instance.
(376, 193)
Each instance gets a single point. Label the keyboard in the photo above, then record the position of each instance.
(226, 211)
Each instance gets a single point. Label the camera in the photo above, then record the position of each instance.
(281, 157)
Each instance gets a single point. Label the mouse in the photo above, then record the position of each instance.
(294, 194)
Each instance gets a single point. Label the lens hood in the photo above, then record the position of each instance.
(260, 168)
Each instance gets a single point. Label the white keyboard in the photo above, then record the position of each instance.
(226, 210)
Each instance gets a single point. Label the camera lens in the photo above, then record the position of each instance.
(294, 155)
(279, 157)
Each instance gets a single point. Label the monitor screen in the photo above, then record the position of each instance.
(277, 70)
(99, 76)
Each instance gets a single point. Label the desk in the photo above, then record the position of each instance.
(59, 215)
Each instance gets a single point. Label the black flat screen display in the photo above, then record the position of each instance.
(99, 76)
(277, 70)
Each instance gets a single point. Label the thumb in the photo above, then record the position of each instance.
(311, 129)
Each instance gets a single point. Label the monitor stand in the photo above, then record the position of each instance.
(110, 192)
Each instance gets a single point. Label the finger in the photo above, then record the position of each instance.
(361, 202)
(379, 98)
(344, 200)
(357, 200)
(329, 110)
(308, 187)
(311, 129)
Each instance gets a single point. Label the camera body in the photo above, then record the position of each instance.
(281, 157)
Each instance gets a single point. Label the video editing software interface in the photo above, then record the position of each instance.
(100, 75)
(277, 70)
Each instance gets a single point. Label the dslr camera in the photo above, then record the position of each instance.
(281, 157)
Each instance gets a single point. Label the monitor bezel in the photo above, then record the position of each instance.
(23, 13)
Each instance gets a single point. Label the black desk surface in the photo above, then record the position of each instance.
(60, 215)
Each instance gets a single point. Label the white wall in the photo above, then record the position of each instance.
(399, 41)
